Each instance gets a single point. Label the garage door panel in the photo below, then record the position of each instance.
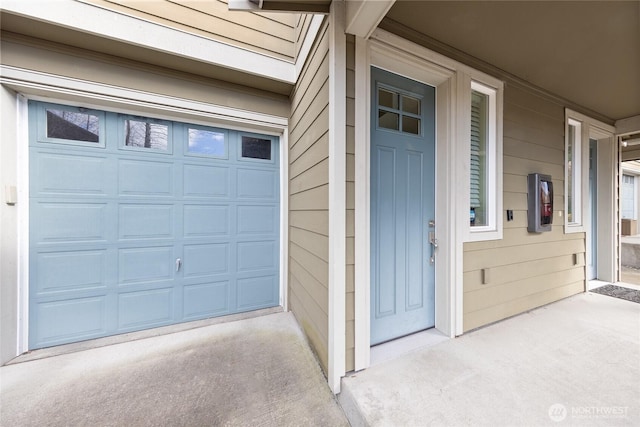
(146, 264)
(206, 220)
(145, 308)
(206, 181)
(257, 184)
(70, 271)
(110, 219)
(71, 174)
(257, 219)
(145, 178)
(146, 221)
(70, 222)
(206, 259)
(57, 321)
(256, 292)
(257, 256)
(206, 299)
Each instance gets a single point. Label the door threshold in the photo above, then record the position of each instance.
(393, 349)
(595, 283)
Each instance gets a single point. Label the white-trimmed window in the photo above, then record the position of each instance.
(575, 171)
(485, 163)
(579, 129)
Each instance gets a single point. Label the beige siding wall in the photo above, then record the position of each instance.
(526, 270)
(268, 33)
(309, 198)
(39, 55)
(350, 149)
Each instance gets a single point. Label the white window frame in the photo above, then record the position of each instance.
(579, 171)
(494, 91)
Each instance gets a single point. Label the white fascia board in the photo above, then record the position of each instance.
(363, 16)
(105, 23)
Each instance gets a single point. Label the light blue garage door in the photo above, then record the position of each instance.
(137, 223)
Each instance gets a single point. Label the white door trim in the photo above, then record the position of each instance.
(402, 57)
(52, 88)
(607, 210)
(608, 184)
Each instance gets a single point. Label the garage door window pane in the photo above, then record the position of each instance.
(73, 126)
(146, 134)
(206, 142)
(256, 148)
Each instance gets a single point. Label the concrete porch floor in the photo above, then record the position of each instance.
(252, 372)
(574, 362)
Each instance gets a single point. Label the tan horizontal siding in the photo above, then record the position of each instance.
(315, 154)
(39, 55)
(312, 287)
(313, 78)
(512, 289)
(502, 311)
(479, 259)
(314, 199)
(316, 221)
(312, 135)
(309, 197)
(305, 308)
(258, 32)
(315, 176)
(315, 243)
(525, 270)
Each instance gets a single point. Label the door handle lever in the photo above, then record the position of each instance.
(178, 264)
(433, 240)
(434, 245)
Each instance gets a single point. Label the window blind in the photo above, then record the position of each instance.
(476, 142)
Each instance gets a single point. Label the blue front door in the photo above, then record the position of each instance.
(137, 222)
(402, 205)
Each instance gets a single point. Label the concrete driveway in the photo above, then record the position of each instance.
(253, 372)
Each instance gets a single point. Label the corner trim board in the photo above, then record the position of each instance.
(362, 329)
(337, 196)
